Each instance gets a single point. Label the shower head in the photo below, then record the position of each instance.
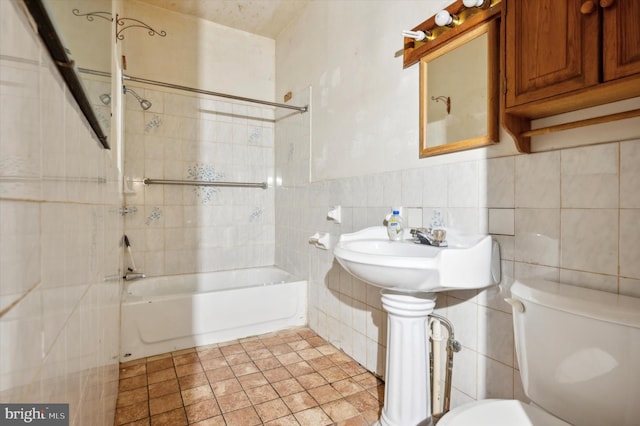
(144, 103)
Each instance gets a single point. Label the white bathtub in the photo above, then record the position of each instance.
(163, 314)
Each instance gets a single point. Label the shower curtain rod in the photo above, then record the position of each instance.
(191, 89)
(207, 92)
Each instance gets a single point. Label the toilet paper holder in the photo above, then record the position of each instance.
(321, 240)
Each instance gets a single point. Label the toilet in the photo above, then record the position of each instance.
(579, 356)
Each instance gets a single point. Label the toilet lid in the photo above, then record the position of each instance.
(499, 412)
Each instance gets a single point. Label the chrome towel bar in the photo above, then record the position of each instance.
(262, 185)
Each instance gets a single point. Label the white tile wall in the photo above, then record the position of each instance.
(559, 214)
(58, 239)
(188, 229)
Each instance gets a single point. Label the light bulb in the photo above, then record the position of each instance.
(443, 18)
(473, 3)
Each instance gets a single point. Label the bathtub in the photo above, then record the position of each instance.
(164, 314)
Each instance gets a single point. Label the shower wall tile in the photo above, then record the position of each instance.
(59, 236)
(187, 137)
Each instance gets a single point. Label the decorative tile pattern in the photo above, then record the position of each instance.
(154, 123)
(207, 173)
(155, 215)
(291, 377)
(256, 214)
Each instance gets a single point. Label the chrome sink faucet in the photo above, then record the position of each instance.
(436, 237)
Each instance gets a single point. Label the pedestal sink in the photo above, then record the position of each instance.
(410, 275)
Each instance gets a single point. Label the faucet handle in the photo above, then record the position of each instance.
(414, 231)
(439, 234)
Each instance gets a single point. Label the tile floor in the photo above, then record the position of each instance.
(291, 377)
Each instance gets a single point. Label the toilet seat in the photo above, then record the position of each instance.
(499, 412)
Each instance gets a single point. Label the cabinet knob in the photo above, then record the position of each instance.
(588, 7)
(606, 3)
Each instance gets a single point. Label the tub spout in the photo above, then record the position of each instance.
(132, 276)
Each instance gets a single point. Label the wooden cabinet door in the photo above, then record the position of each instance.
(552, 47)
(620, 38)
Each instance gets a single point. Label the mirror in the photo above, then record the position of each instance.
(459, 93)
(79, 41)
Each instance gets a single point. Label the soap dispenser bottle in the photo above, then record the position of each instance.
(395, 227)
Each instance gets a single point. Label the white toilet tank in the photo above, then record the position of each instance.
(579, 352)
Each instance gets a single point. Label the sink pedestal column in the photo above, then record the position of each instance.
(407, 399)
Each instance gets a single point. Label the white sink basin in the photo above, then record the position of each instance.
(409, 267)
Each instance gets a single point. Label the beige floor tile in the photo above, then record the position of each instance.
(277, 374)
(165, 403)
(340, 410)
(226, 387)
(132, 383)
(272, 410)
(189, 369)
(160, 364)
(193, 381)
(202, 410)
(233, 402)
(313, 417)
(132, 396)
(287, 387)
(193, 395)
(163, 388)
(130, 413)
(293, 377)
(133, 370)
(262, 394)
(243, 417)
(161, 375)
(299, 401)
(175, 417)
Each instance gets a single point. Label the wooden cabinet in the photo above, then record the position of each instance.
(567, 55)
(620, 38)
(553, 49)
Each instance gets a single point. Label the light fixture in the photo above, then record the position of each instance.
(105, 98)
(445, 19)
(417, 35)
(144, 104)
(473, 3)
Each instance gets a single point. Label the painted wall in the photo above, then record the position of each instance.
(59, 235)
(570, 213)
(186, 136)
(198, 53)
